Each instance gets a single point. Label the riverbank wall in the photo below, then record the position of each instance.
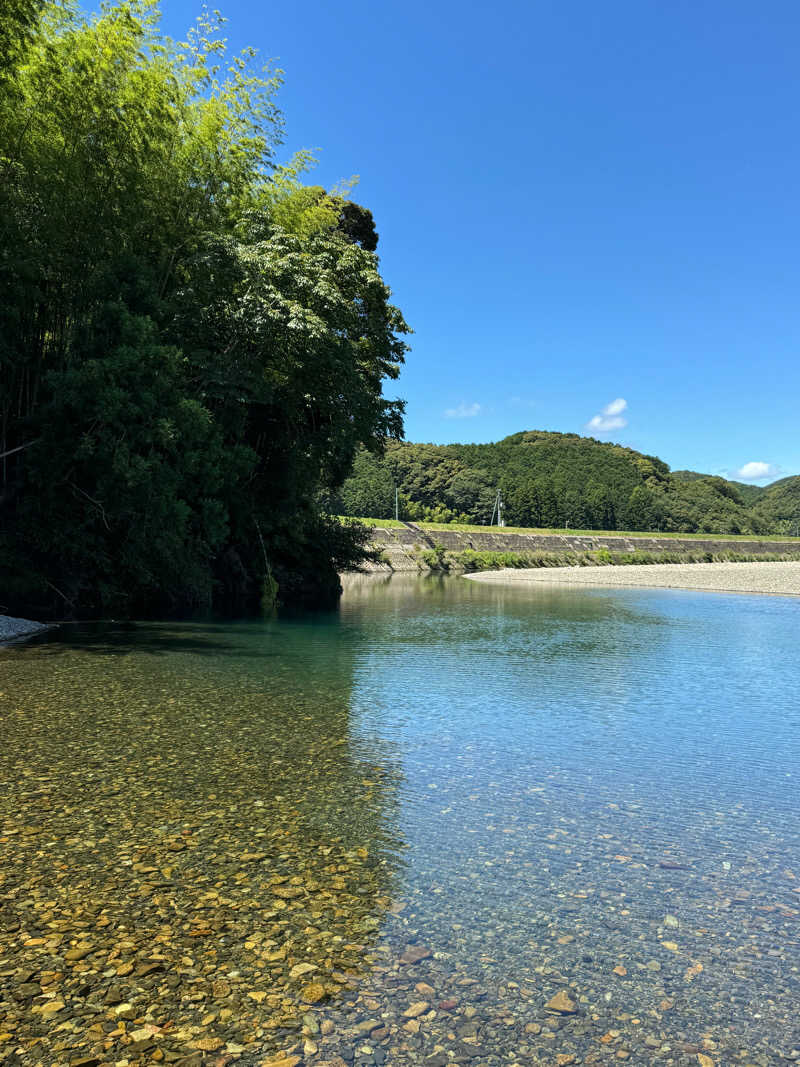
(403, 547)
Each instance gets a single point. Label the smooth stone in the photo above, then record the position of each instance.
(366, 1026)
(438, 1059)
(562, 1004)
(413, 1011)
(415, 953)
(52, 1006)
(80, 952)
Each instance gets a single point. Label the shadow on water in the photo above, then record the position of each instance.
(147, 638)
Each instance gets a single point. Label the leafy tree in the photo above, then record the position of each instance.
(471, 493)
(192, 344)
(135, 470)
(368, 491)
(599, 507)
(357, 224)
(17, 28)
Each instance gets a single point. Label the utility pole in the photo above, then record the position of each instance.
(396, 504)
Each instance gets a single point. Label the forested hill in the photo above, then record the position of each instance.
(558, 480)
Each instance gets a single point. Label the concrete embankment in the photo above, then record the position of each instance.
(403, 545)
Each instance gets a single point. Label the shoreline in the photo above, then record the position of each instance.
(13, 629)
(773, 579)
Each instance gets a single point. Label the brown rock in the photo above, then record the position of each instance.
(313, 993)
(208, 1044)
(413, 1011)
(152, 967)
(366, 1026)
(52, 1006)
(415, 953)
(561, 1004)
(80, 952)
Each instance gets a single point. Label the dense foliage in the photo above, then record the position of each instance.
(778, 506)
(557, 481)
(193, 344)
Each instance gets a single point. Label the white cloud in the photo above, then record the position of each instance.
(463, 411)
(755, 470)
(610, 418)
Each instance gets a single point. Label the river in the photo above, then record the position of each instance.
(446, 823)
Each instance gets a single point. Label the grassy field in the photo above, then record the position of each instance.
(433, 527)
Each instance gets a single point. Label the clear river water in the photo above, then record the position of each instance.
(447, 823)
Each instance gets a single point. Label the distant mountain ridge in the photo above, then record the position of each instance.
(557, 480)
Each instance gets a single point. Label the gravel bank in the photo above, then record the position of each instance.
(11, 629)
(779, 579)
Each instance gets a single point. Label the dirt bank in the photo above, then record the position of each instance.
(779, 579)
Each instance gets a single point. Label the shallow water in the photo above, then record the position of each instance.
(541, 791)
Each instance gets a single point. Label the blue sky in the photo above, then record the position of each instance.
(579, 205)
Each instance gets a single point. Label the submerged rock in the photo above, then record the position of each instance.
(562, 1004)
(415, 953)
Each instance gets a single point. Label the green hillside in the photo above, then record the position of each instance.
(559, 480)
(749, 493)
(779, 507)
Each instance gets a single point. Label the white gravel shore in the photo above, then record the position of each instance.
(779, 579)
(11, 629)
